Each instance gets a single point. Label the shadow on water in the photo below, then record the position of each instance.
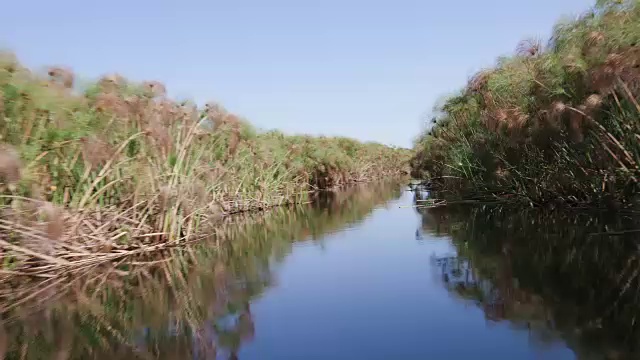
(189, 303)
(556, 274)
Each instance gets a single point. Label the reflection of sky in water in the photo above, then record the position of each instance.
(374, 292)
(228, 322)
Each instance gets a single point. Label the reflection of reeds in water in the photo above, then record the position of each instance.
(557, 274)
(187, 302)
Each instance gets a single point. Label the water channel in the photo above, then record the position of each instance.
(362, 274)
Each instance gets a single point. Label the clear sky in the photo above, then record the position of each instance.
(368, 69)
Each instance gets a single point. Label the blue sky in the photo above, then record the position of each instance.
(365, 69)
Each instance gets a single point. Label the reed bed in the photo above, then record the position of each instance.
(556, 123)
(91, 174)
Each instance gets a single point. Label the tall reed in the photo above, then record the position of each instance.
(89, 174)
(554, 123)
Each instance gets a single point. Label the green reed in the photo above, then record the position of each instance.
(555, 123)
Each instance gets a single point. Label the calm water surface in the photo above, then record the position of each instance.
(374, 291)
(363, 275)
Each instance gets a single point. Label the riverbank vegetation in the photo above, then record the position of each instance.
(93, 173)
(558, 122)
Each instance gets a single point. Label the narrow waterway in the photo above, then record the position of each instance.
(362, 274)
(384, 289)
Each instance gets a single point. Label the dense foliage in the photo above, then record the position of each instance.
(556, 122)
(114, 143)
(141, 139)
(115, 168)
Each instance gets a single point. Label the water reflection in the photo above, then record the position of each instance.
(556, 279)
(192, 303)
(570, 277)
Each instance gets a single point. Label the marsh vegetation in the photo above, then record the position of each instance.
(95, 173)
(556, 123)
